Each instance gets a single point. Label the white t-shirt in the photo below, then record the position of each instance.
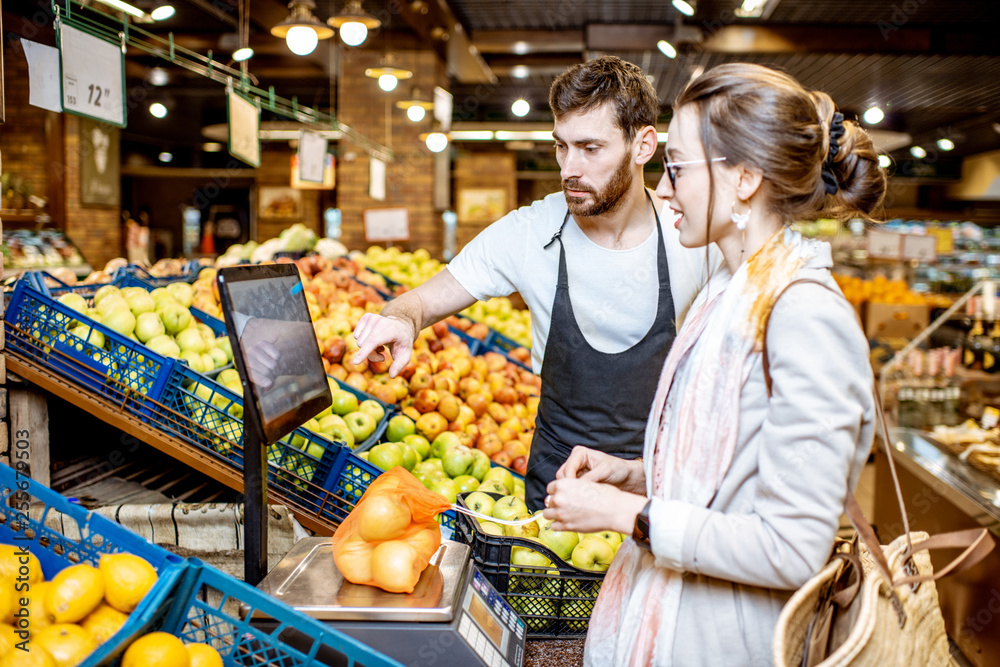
(614, 292)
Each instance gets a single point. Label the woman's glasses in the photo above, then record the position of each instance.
(672, 175)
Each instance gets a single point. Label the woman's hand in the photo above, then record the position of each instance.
(585, 506)
(594, 466)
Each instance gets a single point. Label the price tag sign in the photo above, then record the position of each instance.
(922, 248)
(884, 245)
(387, 224)
(93, 76)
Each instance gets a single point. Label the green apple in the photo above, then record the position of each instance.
(611, 537)
(218, 357)
(328, 422)
(120, 320)
(109, 303)
(315, 450)
(399, 427)
(542, 521)
(466, 483)
(207, 334)
(361, 424)
(326, 412)
(443, 442)
(229, 377)
(191, 340)
(493, 486)
(148, 326)
(339, 433)
(140, 302)
(344, 402)
(480, 502)
(373, 408)
(525, 530)
(224, 344)
(562, 542)
(519, 487)
(593, 553)
(92, 336)
(457, 460)
(165, 345)
(430, 468)
(104, 291)
(193, 360)
(446, 487)
(386, 456)
(160, 296)
(363, 455)
(509, 508)
(75, 302)
(503, 476)
(182, 292)
(176, 317)
(491, 528)
(419, 443)
(529, 560)
(480, 464)
(410, 458)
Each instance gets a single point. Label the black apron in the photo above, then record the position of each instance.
(593, 398)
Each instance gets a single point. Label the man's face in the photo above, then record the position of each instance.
(596, 165)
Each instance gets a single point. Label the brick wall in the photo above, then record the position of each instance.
(96, 231)
(484, 171)
(22, 135)
(363, 106)
(275, 169)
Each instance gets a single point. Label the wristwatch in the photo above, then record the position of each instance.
(640, 532)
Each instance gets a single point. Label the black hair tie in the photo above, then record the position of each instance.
(836, 132)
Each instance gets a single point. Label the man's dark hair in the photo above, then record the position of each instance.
(607, 80)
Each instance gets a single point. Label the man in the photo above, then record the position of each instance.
(604, 281)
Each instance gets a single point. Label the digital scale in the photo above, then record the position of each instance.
(453, 618)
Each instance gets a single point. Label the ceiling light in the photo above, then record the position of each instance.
(416, 100)
(918, 152)
(520, 108)
(520, 48)
(416, 113)
(158, 110)
(163, 12)
(666, 48)
(873, 116)
(387, 82)
(165, 156)
(751, 9)
(884, 161)
(296, 28)
(471, 135)
(159, 76)
(945, 144)
(683, 7)
(353, 23)
(124, 7)
(523, 135)
(239, 55)
(436, 142)
(211, 147)
(387, 74)
(520, 72)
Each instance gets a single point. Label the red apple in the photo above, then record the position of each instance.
(348, 363)
(506, 434)
(431, 424)
(495, 362)
(440, 329)
(520, 465)
(490, 443)
(501, 458)
(357, 380)
(449, 406)
(408, 370)
(515, 448)
(411, 412)
(384, 393)
(400, 386)
(505, 394)
(426, 400)
(478, 403)
(337, 371)
(499, 412)
(420, 380)
(446, 383)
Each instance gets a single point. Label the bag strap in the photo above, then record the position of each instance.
(977, 542)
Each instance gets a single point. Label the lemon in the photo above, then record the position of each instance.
(127, 579)
(8, 638)
(157, 649)
(103, 622)
(12, 559)
(74, 593)
(203, 655)
(38, 616)
(68, 644)
(35, 656)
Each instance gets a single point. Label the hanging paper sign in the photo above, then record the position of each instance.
(922, 248)
(312, 156)
(884, 245)
(244, 129)
(329, 175)
(387, 224)
(93, 76)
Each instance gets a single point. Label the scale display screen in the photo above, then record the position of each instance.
(493, 625)
(274, 345)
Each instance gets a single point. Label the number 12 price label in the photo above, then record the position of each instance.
(93, 76)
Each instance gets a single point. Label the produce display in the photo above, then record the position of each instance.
(29, 249)
(161, 319)
(882, 290)
(61, 621)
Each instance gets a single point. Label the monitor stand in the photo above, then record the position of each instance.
(254, 495)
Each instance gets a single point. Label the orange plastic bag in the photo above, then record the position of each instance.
(389, 538)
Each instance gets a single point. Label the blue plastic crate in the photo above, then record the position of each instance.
(189, 275)
(216, 609)
(83, 537)
(37, 328)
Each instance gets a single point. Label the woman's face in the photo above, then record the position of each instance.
(688, 195)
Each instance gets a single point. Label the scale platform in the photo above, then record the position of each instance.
(453, 617)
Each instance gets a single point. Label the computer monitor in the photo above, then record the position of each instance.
(274, 345)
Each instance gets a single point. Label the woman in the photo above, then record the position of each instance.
(744, 470)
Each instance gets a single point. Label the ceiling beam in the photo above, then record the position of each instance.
(435, 23)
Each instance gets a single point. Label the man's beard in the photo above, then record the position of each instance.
(607, 200)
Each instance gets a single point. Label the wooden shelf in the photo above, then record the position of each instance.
(112, 414)
(10, 215)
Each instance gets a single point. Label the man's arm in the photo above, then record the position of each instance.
(403, 318)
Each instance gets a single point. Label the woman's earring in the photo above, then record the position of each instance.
(740, 219)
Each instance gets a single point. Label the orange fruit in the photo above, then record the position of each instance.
(68, 644)
(157, 649)
(74, 593)
(203, 655)
(127, 579)
(103, 622)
